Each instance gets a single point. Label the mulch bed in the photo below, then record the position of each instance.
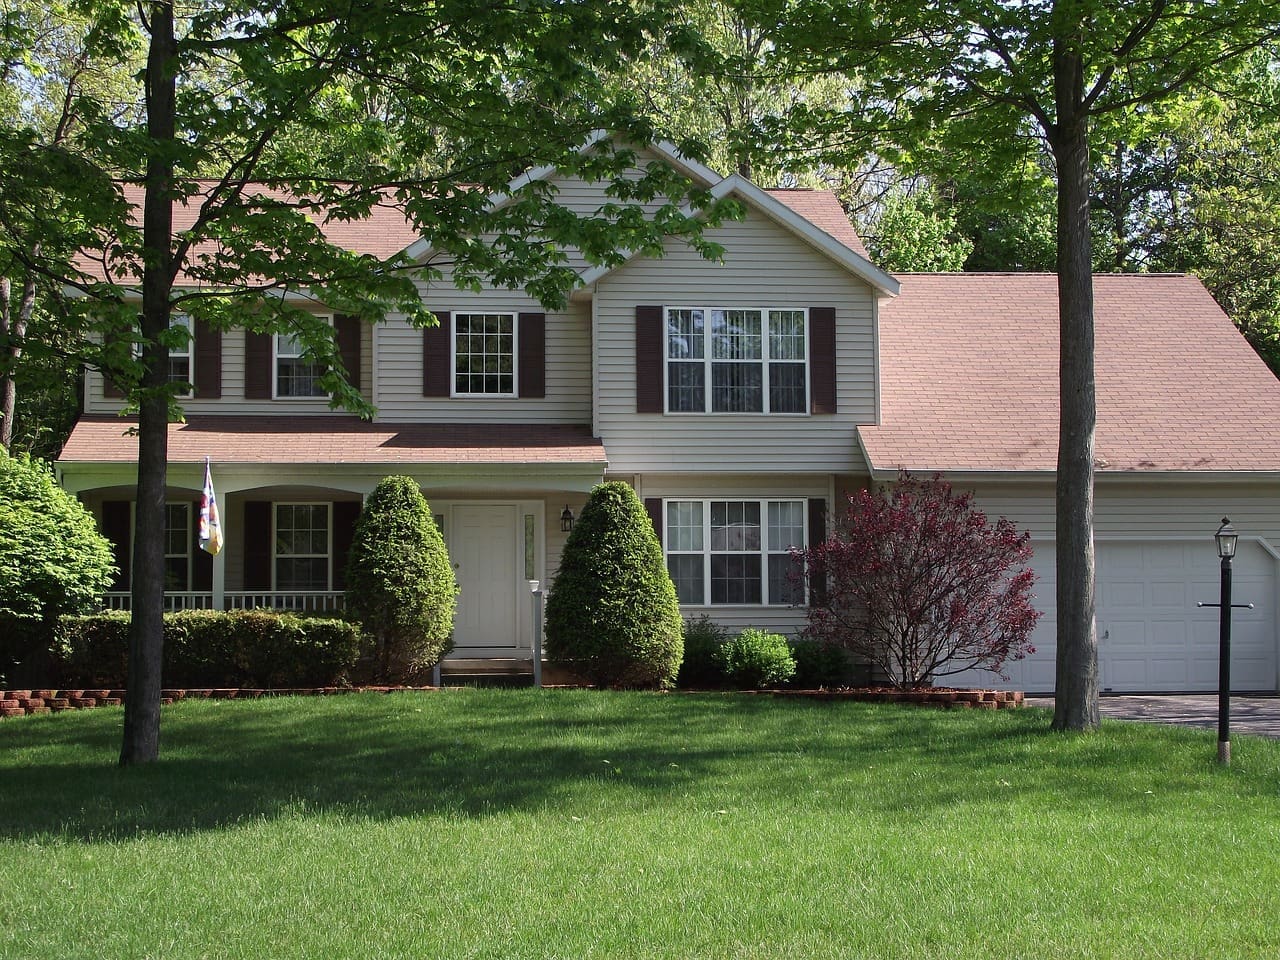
(20, 703)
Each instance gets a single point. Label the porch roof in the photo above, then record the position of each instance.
(338, 439)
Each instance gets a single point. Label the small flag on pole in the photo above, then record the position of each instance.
(210, 524)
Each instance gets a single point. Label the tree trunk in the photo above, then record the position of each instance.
(146, 631)
(8, 395)
(1076, 693)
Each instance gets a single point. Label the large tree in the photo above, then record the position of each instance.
(267, 120)
(998, 70)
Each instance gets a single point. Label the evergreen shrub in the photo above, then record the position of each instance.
(205, 648)
(821, 665)
(701, 668)
(754, 660)
(53, 560)
(612, 610)
(400, 584)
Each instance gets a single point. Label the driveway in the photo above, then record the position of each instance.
(1256, 715)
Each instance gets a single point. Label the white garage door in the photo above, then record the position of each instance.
(1151, 634)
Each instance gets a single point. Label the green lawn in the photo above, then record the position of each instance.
(575, 824)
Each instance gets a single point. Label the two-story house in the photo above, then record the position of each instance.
(743, 400)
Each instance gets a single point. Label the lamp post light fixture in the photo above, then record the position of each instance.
(1226, 539)
(566, 519)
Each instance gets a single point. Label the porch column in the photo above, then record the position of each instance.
(219, 579)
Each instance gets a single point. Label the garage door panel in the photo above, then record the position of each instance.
(1168, 593)
(1124, 634)
(1151, 634)
(1168, 672)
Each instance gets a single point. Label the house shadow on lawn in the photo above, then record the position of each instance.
(475, 754)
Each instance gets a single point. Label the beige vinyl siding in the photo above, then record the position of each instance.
(1155, 509)
(765, 266)
(233, 400)
(568, 365)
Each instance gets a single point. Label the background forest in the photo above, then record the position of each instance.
(1188, 184)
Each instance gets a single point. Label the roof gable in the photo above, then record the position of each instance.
(788, 215)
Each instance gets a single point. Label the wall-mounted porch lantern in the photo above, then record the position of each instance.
(566, 519)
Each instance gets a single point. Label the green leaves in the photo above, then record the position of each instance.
(52, 558)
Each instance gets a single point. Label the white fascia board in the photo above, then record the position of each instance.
(785, 217)
(1105, 478)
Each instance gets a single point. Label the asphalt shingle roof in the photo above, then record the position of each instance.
(338, 439)
(969, 378)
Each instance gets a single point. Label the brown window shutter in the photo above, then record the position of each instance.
(532, 336)
(347, 331)
(817, 535)
(118, 528)
(822, 360)
(653, 507)
(110, 389)
(649, 360)
(437, 367)
(208, 364)
(201, 562)
(345, 514)
(256, 536)
(257, 366)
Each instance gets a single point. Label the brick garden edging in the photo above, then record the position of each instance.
(18, 703)
(946, 699)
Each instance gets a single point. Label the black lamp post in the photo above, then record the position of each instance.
(1226, 538)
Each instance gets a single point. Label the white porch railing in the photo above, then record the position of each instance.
(177, 600)
(300, 601)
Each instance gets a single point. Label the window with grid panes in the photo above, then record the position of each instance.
(484, 354)
(302, 546)
(177, 546)
(296, 376)
(722, 360)
(735, 552)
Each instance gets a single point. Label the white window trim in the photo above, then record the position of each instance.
(515, 355)
(708, 360)
(764, 552)
(276, 555)
(275, 368)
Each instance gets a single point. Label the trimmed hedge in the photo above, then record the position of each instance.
(822, 665)
(612, 611)
(204, 648)
(701, 668)
(756, 659)
(25, 654)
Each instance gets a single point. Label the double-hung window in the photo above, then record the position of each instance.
(302, 546)
(722, 360)
(179, 370)
(735, 552)
(484, 354)
(180, 356)
(178, 535)
(295, 375)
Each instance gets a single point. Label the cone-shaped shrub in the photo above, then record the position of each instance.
(53, 560)
(400, 585)
(612, 610)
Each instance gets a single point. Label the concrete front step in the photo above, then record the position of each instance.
(508, 672)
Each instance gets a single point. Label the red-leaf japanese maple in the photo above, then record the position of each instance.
(922, 586)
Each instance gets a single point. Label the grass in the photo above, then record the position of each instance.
(511, 824)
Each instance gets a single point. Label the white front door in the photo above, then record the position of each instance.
(483, 545)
